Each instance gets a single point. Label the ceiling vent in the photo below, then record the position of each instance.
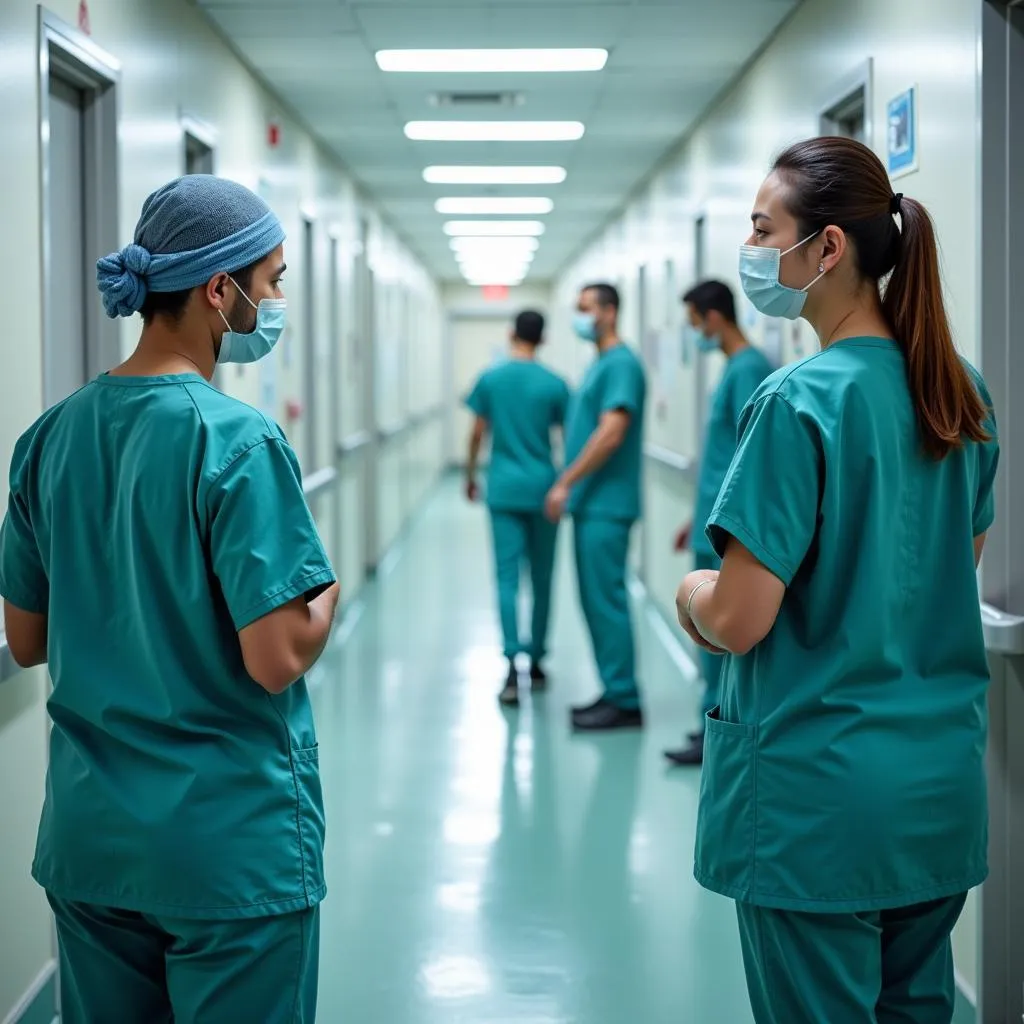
(476, 99)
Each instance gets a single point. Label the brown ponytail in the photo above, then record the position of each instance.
(947, 403)
(835, 181)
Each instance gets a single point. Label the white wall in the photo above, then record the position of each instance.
(174, 63)
(716, 172)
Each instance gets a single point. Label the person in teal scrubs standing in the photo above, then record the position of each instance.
(519, 402)
(158, 555)
(843, 801)
(711, 311)
(600, 487)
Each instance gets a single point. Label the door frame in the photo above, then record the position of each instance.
(81, 62)
(1000, 309)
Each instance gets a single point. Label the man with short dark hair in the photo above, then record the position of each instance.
(519, 402)
(711, 314)
(601, 489)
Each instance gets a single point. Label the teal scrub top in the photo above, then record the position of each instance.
(615, 380)
(741, 377)
(845, 771)
(521, 401)
(151, 518)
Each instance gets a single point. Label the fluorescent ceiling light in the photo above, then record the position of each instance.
(494, 228)
(486, 61)
(484, 267)
(494, 131)
(497, 244)
(469, 206)
(494, 175)
(485, 282)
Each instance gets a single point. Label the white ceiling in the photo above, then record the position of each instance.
(668, 59)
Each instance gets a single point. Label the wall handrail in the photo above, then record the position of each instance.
(318, 482)
(670, 459)
(354, 443)
(1004, 633)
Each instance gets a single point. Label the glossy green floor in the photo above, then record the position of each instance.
(487, 866)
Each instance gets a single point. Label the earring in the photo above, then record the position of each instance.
(821, 268)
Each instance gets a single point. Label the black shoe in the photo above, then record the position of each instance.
(580, 709)
(691, 756)
(509, 695)
(604, 715)
(538, 677)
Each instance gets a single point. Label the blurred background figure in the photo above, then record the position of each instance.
(601, 489)
(711, 314)
(518, 403)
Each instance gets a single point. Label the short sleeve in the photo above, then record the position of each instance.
(988, 463)
(769, 499)
(479, 400)
(747, 380)
(561, 403)
(23, 579)
(264, 545)
(623, 387)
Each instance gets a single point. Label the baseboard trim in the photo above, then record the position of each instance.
(36, 1006)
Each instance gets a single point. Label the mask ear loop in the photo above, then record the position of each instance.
(821, 266)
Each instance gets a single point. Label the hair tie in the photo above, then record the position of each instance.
(121, 278)
(896, 204)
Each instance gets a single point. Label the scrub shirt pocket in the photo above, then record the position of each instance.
(725, 823)
(306, 769)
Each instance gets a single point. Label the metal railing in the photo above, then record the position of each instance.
(671, 460)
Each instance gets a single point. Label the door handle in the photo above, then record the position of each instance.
(1004, 633)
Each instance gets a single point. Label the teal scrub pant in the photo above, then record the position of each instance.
(122, 967)
(519, 537)
(710, 664)
(877, 967)
(602, 551)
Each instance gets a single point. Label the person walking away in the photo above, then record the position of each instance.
(158, 555)
(518, 403)
(600, 487)
(843, 801)
(711, 313)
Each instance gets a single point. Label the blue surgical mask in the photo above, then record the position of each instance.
(759, 275)
(705, 342)
(585, 326)
(251, 347)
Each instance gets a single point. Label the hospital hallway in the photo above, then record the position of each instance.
(485, 865)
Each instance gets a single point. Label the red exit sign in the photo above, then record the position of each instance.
(495, 292)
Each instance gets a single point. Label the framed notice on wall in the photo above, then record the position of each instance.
(901, 133)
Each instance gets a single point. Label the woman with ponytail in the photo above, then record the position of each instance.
(843, 801)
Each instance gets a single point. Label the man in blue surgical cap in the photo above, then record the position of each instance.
(159, 556)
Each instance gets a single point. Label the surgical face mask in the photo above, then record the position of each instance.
(251, 347)
(705, 342)
(759, 275)
(585, 326)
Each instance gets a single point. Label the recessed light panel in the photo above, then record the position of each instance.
(469, 206)
(477, 62)
(494, 175)
(494, 131)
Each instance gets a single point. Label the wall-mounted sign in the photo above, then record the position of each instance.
(495, 292)
(901, 117)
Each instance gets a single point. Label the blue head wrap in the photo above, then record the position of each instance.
(190, 229)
